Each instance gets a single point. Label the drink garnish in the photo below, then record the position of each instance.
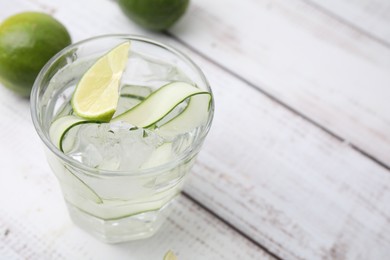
(97, 93)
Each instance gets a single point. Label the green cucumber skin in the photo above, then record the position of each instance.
(132, 114)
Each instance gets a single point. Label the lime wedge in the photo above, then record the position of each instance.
(170, 256)
(97, 93)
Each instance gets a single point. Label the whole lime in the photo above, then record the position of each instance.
(154, 14)
(27, 41)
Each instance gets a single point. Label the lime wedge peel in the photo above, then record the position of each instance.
(97, 93)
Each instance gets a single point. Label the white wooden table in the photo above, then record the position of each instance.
(296, 166)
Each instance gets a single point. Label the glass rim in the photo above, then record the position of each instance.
(110, 173)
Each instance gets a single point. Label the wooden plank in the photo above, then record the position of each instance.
(298, 191)
(34, 223)
(371, 16)
(310, 61)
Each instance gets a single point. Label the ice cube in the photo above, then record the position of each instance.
(113, 146)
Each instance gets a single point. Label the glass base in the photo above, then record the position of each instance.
(134, 227)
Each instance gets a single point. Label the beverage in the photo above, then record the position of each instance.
(119, 176)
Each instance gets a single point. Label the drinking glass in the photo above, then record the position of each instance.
(115, 206)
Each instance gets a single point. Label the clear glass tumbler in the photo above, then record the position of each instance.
(115, 206)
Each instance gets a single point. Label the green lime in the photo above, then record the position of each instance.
(97, 93)
(154, 14)
(27, 41)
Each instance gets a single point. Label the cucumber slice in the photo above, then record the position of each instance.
(192, 116)
(156, 106)
(130, 96)
(79, 187)
(135, 91)
(116, 209)
(150, 110)
(61, 126)
(72, 184)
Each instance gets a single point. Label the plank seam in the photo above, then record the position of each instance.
(265, 249)
(282, 103)
(347, 23)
